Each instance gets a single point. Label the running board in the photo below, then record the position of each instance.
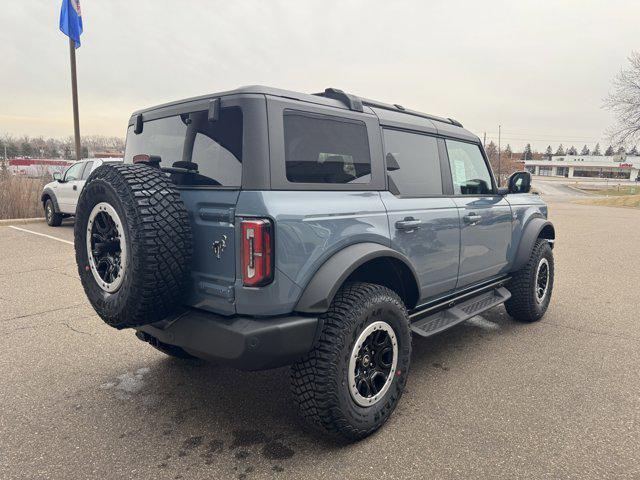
(437, 322)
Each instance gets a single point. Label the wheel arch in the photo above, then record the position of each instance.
(537, 227)
(364, 262)
(47, 193)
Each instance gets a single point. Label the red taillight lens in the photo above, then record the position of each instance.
(257, 252)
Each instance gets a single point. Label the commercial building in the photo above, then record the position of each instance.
(621, 167)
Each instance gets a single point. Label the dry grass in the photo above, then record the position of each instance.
(618, 190)
(615, 201)
(20, 196)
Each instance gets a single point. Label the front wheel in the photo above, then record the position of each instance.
(54, 219)
(531, 287)
(352, 380)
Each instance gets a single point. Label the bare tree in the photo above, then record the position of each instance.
(624, 102)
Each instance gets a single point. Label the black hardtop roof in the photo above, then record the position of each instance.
(339, 99)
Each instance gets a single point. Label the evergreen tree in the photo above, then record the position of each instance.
(527, 154)
(634, 151)
(609, 151)
(507, 151)
(548, 152)
(492, 151)
(572, 151)
(560, 150)
(596, 150)
(621, 151)
(585, 151)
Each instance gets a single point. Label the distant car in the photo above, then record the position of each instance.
(60, 197)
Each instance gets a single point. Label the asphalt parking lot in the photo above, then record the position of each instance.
(487, 399)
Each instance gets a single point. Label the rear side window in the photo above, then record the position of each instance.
(468, 169)
(215, 147)
(418, 161)
(325, 149)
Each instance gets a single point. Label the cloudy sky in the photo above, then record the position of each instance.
(538, 68)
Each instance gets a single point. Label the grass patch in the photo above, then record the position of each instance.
(619, 190)
(615, 201)
(20, 196)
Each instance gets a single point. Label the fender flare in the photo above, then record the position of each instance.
(528, 239)
(324, 284)
(47, 192)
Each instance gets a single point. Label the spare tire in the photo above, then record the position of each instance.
(133, 244)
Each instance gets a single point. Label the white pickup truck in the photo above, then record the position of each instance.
(60, 197)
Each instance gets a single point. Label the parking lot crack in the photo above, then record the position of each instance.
(42, 312)
(76, 330)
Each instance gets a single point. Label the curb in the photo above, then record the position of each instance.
(21, 221)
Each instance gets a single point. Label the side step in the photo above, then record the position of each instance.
(444, 319)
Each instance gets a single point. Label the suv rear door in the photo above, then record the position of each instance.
(423, 220)
(210, 190)
(485, 216)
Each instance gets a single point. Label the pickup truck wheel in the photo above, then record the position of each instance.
(531, 287)
(352, 380)
(54, 219)
(133, 244)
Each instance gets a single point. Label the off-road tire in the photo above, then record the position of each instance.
(320, 380)
(523, 305)
(158, 241)
(54, 219)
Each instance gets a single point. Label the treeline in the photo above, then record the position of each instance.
(528, 153)
(40, 147)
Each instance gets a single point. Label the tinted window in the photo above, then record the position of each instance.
(417, 157)
(468, 169)
(74, 172)
(215, 147)
(87, 170)
(323, 149)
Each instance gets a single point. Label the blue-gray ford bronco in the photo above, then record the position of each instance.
(260, 227)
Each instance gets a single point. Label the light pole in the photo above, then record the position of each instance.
(499, 162)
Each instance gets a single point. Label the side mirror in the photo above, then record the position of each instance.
(57, 176)
(520, 182)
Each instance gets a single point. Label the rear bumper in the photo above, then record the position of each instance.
(246, 343)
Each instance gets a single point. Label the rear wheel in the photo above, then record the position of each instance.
(53, 218)
(531, 287)
(352, 380)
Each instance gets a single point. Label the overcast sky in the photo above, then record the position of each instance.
(538, 68)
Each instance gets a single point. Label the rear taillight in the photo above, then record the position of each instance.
(257, 252)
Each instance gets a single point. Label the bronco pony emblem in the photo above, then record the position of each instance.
(219, 246)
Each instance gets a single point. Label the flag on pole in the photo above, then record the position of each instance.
(71, 20)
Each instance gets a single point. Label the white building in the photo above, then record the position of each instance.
(620, 167)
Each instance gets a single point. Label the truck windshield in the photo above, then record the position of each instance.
(214, 147)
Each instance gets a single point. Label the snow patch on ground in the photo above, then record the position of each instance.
(483, 323)
(127, 384)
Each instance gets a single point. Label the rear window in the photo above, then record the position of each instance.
(324, 149)
(215, 147)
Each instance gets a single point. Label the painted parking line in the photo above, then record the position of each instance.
(41, 234)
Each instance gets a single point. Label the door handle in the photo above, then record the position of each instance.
(472, 218)
(75, 187)
(409, 224)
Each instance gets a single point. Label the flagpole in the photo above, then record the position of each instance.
(74, 93)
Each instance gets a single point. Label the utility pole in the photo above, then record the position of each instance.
(499, 163)
(484, 141)
(74, 93)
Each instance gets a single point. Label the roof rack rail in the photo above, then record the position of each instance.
(357, 103)
(351, 101)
